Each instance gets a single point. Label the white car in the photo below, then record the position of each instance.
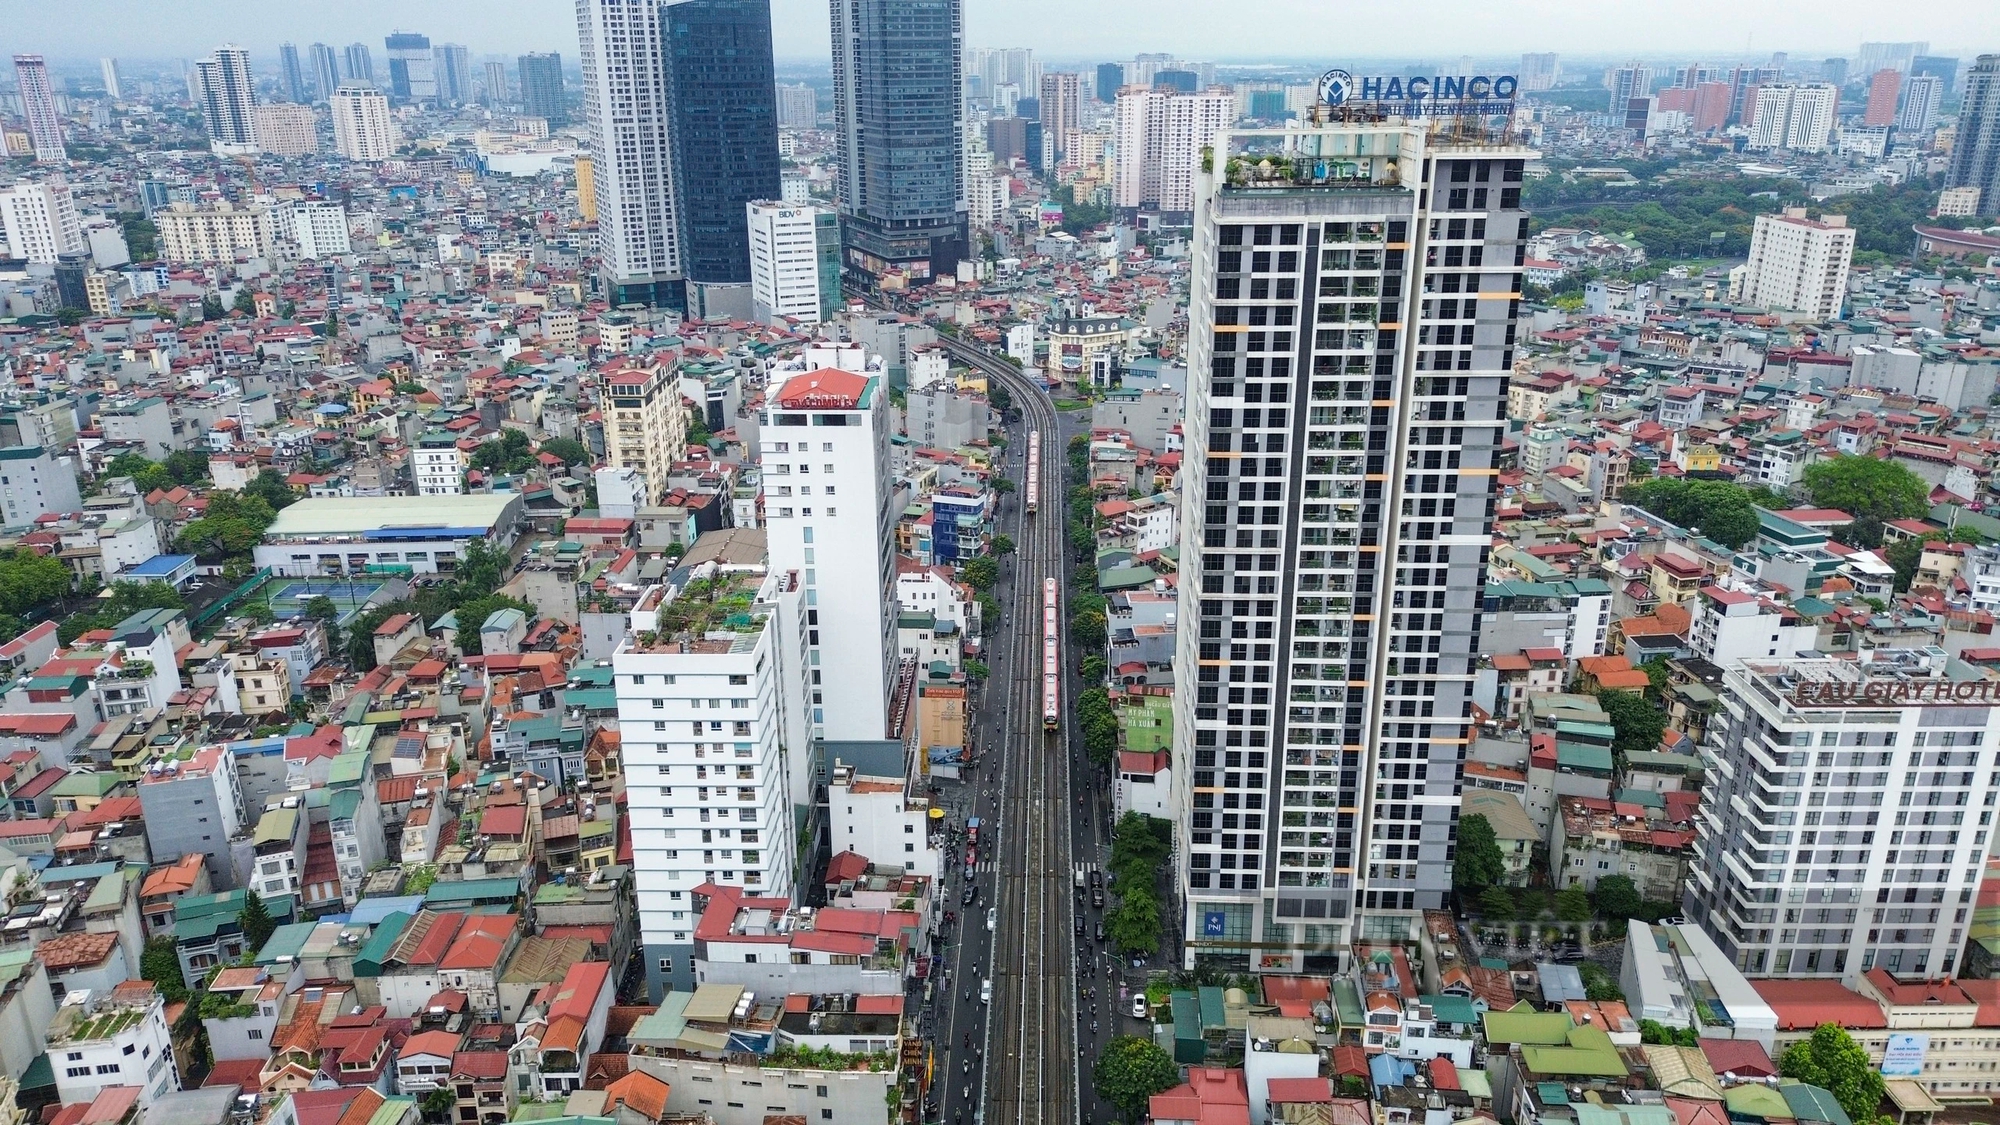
(986, 991)
(992, 918)
(1139, 1007)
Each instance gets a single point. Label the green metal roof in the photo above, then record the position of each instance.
(277, 825)
(472, 890)
(1571, 755)
(286, 941)
(368, 961)
(1522, 1024)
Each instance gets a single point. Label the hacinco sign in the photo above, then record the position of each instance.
(1442, 96)
(1897, 693)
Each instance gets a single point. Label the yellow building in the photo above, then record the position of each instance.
(586, 189)
(645, 424)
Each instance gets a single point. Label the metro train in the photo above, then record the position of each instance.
(1034, 470)
(1051, 658)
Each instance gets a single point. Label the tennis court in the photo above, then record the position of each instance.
(287, 597)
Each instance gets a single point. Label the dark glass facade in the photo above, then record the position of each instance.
(1110, 76)
(724, 97)
(898, 100)
(542, 89)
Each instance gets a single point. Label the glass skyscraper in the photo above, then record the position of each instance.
(542, 88)
(723, 90)
(898, 95)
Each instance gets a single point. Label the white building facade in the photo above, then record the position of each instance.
(784, 261)
(716, 750)
(1799, 264)
(1160, 136)
(225, 91)
(1847, 816)
(362, 128)
(629, 119)
(41, 221)
(824, 450)
(1795, 116)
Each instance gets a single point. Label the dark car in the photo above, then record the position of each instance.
(1097, 896)
(1079, 927)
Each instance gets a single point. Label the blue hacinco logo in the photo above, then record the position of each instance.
(1335, 86)
(1444, 95)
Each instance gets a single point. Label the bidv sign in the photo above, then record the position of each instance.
(1473, 96)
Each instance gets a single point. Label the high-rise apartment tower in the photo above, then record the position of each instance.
(1352, 327)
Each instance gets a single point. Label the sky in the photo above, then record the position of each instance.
(1062, 30)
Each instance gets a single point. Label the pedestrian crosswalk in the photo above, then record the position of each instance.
(1083, 871)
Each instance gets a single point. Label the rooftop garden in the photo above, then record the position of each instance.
(723, 602)
(826, 1058)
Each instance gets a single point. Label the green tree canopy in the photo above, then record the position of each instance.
(1003, 545)
(1573, 904)
(1617, 897)
(1087, 629)
(568, 450)
(508, 453)
(256, 921)
(159, 963)
(1874, 492)
(1495, 903)
(1133, 926)
(1830, 1058)
(1130, 1071)
(125, 599)
(186, 466)
(980, 573)
(271, 486)
(1478, 862)
(1720, 510)
(28, 580)
(473, 613)
(1638, 723)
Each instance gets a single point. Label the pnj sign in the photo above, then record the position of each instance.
(1442, 96)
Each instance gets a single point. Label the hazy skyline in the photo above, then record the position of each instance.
(1056, 29)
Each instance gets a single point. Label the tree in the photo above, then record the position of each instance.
(271, 487)
(1095, 668)
(1904, 556)
(126, 599)
(1873, 492)
(1531, 903)
(160, 964)
(245, 303)
(1638, 723)
(1618, 897)
(1573, 904)
(322, 610)
(999, 396)
(482, 569)
(568, 450)
(1598, 983)
(976, 669)
(1722, 511)
(1130, 1071)
(1134, 925)
(28, 580)
(186, 466)
(980, 573)
(1003, 484)
(1478, 861)
(438, 1104)
(1002, 545)
(211, 307)
(473, 613)
(1087, 629)
(508, 453)
(1830, 1058)
(256, 921)
(1494, 902)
